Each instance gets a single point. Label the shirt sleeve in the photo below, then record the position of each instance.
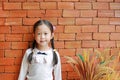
(24, 68)
(57, 69)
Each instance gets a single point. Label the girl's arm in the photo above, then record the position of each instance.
(24, 68)
(57, 69)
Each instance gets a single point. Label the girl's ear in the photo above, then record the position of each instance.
(52, 35)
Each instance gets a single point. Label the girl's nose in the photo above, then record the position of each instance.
(42, 36)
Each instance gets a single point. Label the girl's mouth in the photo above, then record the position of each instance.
(41, 41)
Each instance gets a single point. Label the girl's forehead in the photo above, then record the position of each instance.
(43, 28)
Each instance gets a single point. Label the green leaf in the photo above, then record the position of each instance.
(81, 57)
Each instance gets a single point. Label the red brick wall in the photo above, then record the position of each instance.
(81, 24)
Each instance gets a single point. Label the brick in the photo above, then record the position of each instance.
(36, 13)
(0, 5)
(20, 29)
(1, 76)
(59, 44)
(2, 37)
(63, 60)
(59, 29)
(9, 76)
(89, 44)
(88, 13)
(106, 28)
(83, 5)
(29, 5)
(67, 67)
(14, 37)
(81, 21)
(117, 0)
(84, 36)
(56, 35)
(2, 53)
(18, 61)
(2, 69)
(28, 37)
(64, 75)
(72, 29)
(65, 5)
(13, 21)
(6, 61)
(87, 0)
(114, 51)
(101, 36)
(17, 0)
(48, 5)
(11, 69)
(19, 45)
(117, 28)
(105, 13)
(29, 21)
(114, 36)
(34, 0)
(13, 53)
(101, 5)
(82, 51)
(16, 76)
(73, 44)
(5, 29)
(66, 36)
(52, 20)
(5, 45)
(114, 5)
(104, 0)
(52, 0)
(70, 0)
(71, 13)
(17, 14)
(30, 29)
(115, 21)
(102, 50)
(89, 28)
(117, 66)
(73, 75)
(4, 13)
(4, 0)
(67, 52)
(117, 13)
(66, 21)
(107, 44)
(2, 21)
(100, 20)
(53, 13)
(118, 44)
(12, 6)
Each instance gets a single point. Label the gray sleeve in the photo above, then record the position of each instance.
(24, 68)
(57, 69)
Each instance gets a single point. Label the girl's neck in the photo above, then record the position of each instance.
(43, 48)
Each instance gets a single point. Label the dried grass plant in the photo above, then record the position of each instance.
(95, 67)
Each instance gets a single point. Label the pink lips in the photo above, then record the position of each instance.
(42, 41)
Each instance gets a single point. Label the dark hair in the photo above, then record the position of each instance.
(50, 26)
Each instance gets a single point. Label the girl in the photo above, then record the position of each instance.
(41, 60)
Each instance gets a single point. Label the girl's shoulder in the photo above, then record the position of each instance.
(28, 51)
(56, 52)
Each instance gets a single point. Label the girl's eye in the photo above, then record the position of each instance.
(46, 33)
(38, 33)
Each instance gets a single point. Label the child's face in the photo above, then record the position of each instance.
(43, 35)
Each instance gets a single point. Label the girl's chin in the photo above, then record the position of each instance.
(42, 44)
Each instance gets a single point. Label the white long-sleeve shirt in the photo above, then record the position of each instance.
(41, 66)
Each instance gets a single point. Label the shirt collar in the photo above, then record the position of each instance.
(35, 50)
